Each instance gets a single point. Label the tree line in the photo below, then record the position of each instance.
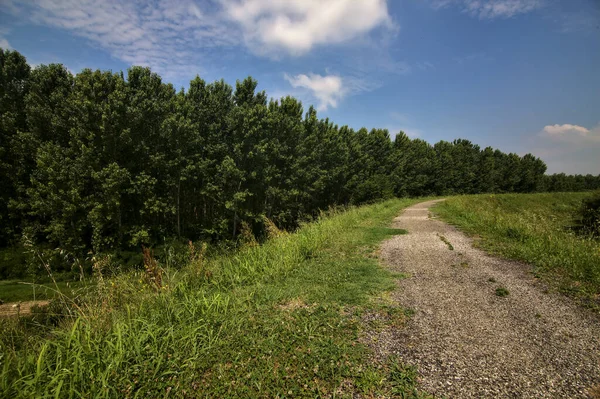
(100, 160)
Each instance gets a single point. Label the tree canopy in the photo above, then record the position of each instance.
(104, 160)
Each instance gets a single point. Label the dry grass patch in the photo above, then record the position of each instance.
(294, 304)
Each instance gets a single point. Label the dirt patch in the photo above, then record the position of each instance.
(19, 308)
(468, 342)
(294, 304)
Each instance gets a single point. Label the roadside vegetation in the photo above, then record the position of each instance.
(170, 211)
(109, 162)
(274, 320)
(546, 230)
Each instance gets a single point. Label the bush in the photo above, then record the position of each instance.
(590, 214)
(13, 263)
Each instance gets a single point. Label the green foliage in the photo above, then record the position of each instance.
(501, 292)
(447, 242)
(265, 321)
(11, 263)
(110, 162)
(590, 215)
(535, 228)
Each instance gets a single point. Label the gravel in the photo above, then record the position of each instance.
(468, 342)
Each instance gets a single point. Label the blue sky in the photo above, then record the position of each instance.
(518, 75)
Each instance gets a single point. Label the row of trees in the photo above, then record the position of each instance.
(103, 161)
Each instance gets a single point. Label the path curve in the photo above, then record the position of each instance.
(466, 341)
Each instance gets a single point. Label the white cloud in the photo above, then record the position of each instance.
(5, 44)
(168, 36)
(3, 41)
(176, 37)
(296, 26)
(571, 133)
(328, 90)
(490, 9)
(567, 148)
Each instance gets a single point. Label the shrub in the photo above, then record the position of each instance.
(590, 214)
(13, 263)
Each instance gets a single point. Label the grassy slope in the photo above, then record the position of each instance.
(279, 320)
(533, 228)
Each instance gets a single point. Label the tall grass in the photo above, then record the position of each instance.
(276, 320)
(535, 228)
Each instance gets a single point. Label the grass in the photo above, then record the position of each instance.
(537, 229)
(501, 292)
(445, 241)
(277, 320)
(20, 290)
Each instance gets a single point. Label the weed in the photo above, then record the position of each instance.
(265, 321)
(445, 241)
(246, 236)
(153, 271)
(501, 292)
(271, 229)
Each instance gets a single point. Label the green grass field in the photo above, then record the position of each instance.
(276, 320)
(535, 228)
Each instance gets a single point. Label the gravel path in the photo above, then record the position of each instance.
(466, 341)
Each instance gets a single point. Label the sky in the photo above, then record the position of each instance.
(522, 76)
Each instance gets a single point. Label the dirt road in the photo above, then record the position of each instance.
(468, 342)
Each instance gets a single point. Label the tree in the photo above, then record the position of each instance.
(14, 159)
(102, 162)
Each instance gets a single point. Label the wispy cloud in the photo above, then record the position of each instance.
(578, 21)
(491, 9)
(163, 35)
(402, 122)
(328, 90)
(296, 26)
(425, 66)
(180, 37)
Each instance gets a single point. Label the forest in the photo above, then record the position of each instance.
(103, 161)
